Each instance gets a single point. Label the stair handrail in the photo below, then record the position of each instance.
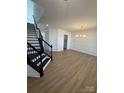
(50, 47)
(35, 22)
(41, 38)
(47, 43)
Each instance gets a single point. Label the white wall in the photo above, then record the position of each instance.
(60, 37)
(38, 11)
(30, 6)
(85, 44)
(34, 9)
(53, 34)
(56, 38)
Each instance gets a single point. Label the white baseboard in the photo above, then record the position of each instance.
(89, 53)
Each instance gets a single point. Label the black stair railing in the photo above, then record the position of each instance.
(47, 50)
(42, 42)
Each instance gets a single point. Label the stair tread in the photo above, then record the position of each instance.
(31, 50)
(32, 31)
(35, 45)
(33, 42)
(30, 38)
(31, 34)
(34, 39)
(39, 60)
(45, 61)
(32, 56)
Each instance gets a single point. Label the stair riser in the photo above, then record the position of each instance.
(35, 44)
(31, 35)
(31, 32)
(32, 39)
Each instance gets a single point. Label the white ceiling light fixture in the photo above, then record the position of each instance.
(80, 35)
(76, 35)
(84, 35)
(47, 24)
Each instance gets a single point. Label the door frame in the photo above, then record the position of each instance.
(65, 38)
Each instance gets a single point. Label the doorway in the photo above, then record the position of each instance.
(65, 42)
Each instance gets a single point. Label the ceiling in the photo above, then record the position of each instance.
(71, 15)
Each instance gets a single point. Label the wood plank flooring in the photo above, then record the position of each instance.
(70, 72)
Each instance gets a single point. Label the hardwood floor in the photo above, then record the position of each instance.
(70, 72)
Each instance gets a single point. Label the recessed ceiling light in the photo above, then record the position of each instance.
(80, 35)
(84, 35)
(47, 24)
(76, 35)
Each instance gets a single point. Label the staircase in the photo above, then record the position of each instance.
(38, 57)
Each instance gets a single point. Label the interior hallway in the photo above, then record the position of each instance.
(70, 72)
